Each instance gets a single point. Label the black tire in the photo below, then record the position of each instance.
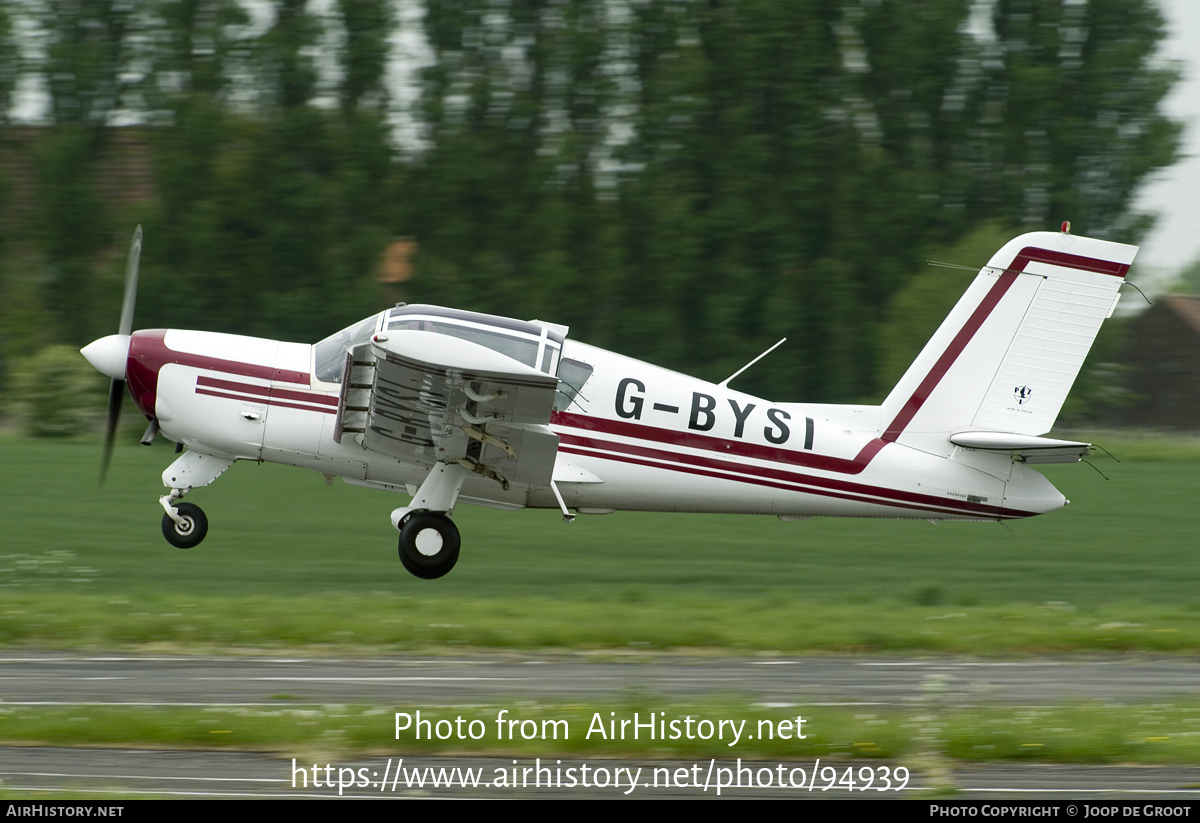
(196, 527)
(429, 544)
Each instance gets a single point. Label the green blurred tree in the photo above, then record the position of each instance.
(783, 165)
(10, 59)
(1071, 112)
(9, 71)
(367, 25)
(56, 393)
(917, 309)
(200, 50)
(799, 145)
(87, 55)
(273, 211)
(684, 182)
(748, 196)
(504, 202)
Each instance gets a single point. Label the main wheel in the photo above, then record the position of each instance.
(190, 532)
(429, 544)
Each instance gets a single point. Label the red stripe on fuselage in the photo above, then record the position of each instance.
(229, 385)
(860, 461)
(821, 485)
(273, 391)
(819, 492)
(269, 402)
(822, 462)
(691, 440)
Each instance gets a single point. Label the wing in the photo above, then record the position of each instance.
(423, 397)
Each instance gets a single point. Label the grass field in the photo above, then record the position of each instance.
(1086, 733)
(292, 565)
(290, 562)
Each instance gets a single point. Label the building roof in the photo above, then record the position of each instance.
(1187, 306)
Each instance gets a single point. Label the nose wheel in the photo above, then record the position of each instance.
(188, 530)
(429, 544)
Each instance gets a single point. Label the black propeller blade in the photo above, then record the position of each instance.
(116, 392)
(116, 389)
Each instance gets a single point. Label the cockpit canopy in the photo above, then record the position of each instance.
(537, 345)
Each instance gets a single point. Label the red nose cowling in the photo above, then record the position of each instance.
(147, 354)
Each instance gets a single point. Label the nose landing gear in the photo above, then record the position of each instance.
(187, 528)
(184, 525)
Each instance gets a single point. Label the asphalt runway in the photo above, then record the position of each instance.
(107, 773)
(847, 680)
(401, 682)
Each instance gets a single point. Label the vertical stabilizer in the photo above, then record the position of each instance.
(1008, 353)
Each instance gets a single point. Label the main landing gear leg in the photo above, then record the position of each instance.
(429, 540)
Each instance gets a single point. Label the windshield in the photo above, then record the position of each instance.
(330, 354)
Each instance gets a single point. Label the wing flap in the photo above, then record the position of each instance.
(439, 398)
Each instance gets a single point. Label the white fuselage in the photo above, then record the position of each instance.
(639, 437)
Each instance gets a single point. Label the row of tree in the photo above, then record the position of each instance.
(684, 182)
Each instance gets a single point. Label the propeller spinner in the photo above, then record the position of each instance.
(110, 354)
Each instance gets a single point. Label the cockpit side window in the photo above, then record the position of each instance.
(329, 356)
(572, 374)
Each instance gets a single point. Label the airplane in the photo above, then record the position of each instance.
(453, 406)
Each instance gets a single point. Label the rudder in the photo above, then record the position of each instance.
(1008, 353)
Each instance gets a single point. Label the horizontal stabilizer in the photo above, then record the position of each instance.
(1025, 448)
